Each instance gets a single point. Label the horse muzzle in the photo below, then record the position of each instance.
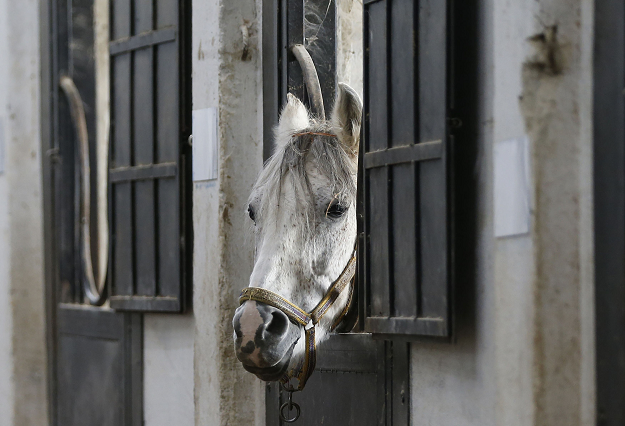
(264, 339)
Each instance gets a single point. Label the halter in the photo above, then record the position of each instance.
(305, 319)
(316, 134)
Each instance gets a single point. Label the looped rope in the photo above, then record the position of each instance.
(95, 288)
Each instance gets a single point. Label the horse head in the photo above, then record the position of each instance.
(303, 212)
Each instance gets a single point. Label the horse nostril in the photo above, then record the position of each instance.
(278, 323)
(249, 348)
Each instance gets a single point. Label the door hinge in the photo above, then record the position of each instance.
(53, 155)
(454, 122)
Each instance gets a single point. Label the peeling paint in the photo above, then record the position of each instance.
(548, 56)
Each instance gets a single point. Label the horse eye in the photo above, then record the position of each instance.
(336, 210)
(251, 212)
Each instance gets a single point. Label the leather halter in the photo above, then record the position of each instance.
(316, 134)
(305, 319)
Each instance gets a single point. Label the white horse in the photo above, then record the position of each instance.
(303, 207)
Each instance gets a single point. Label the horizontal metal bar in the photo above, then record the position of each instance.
(89, 321)
(407, 326)
(371, 1)
(145, 303)
(153, 171)
(404, 154)
(142, 40)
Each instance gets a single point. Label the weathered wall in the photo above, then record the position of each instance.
(556, 109)
(168, 370)
(525, 356)
(22, 337)
(226, 75)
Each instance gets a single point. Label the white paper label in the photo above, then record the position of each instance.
(512, 187)
(1, 146)
(205, 144)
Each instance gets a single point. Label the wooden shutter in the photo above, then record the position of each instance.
(404, 169)
(149, 174)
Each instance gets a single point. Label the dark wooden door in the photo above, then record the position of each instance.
(357, 381)
(609, 209)
(95, 353)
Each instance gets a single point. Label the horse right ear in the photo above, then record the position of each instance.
(347, 117)
(293, 118)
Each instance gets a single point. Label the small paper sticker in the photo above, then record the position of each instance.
(512, 187)
(1, 146)
(205, 144)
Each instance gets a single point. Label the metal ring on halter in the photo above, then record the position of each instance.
(290, 404)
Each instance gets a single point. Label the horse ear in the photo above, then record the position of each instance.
(347, 117)
(294, 117)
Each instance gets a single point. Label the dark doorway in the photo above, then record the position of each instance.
(609, 200)
(130, 61)
(95, 353)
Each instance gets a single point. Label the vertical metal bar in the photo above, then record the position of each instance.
(271, 72)
(48, 45)
(320, 41)
(295, 35)
(433, 207)
(609, 210)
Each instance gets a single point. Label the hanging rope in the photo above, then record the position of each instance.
(95, 291)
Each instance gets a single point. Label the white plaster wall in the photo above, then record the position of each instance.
(527, 358)
(514, 270)
(205, 75)
(226, 78)
(23, 399)
(6, 323)
(168, 370)
(556, 108)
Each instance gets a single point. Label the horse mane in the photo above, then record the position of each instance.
(314, 146)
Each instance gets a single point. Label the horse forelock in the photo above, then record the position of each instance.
(294, 159)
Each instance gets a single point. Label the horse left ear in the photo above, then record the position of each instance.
(294, 117)
(347, 117)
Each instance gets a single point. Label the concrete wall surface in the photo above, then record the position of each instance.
(168, 370)
(526, 355)
(23, 391)
(227, 76)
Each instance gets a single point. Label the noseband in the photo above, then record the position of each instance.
(305, 319)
